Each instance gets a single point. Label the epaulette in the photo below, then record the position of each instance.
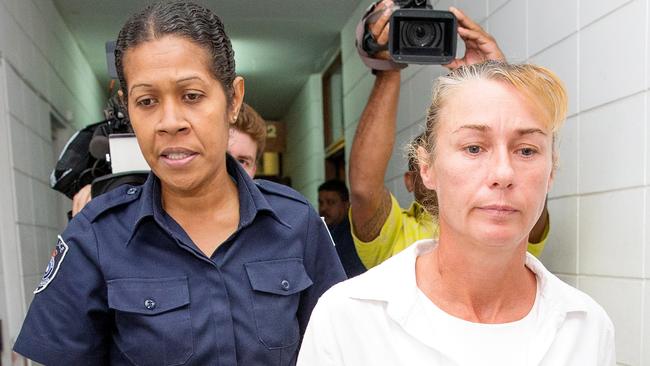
(280, 190)
(107, 201)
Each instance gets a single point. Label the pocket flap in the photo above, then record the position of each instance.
(280, 277)
(148, 296)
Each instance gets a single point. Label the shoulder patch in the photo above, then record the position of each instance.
(280, 190)
(116, 197)
(58, 254)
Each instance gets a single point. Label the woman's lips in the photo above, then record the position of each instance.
(498, 210)
(177, 157)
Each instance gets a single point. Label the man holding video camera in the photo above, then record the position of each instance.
(381, 228)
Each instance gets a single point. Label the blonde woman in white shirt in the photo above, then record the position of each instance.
(473, 297)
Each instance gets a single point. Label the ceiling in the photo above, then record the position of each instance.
(277, 43)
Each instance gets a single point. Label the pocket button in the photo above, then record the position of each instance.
(149, 304)
(285, 285)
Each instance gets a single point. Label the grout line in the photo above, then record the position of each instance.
(497, 9)
(596, 193)
(606, 14)
(612, 101)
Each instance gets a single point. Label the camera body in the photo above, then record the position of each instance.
(421, 35)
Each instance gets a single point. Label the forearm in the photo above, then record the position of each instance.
(375, 137)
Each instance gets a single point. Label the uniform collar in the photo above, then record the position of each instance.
(251, 200)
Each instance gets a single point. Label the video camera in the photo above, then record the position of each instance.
(418, 34)
(104, 154)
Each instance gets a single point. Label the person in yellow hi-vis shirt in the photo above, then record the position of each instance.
(380, 227)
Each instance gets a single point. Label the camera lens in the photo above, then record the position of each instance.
(419, 34)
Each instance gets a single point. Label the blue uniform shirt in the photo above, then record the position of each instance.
(127, 286)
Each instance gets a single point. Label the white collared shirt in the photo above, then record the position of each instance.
(379, 318)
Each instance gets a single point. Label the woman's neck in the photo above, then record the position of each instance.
(477, 283)
(205, 199)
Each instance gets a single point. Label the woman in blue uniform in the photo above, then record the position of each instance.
(200, 265)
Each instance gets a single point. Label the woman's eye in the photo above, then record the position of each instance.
(192, 97)
(146, 102)
(527, 151)
(473, 149)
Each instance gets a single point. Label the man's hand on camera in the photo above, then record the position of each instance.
(379, 28)
(479, 45)
(80, 199)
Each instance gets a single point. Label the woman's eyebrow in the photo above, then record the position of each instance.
(480, 128)
(141, 85)
(528, 131)
(188, 78)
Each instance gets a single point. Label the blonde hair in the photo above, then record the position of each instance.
(540, 86)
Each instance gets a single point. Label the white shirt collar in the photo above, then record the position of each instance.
(394, 283)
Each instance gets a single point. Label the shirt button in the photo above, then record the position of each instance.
(149, 304)
(285, 285)
(132, 190)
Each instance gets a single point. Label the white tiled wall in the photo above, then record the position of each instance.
(43, 75)
(304, 159)
(600, 203)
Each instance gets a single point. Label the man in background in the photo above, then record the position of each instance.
(333, 206)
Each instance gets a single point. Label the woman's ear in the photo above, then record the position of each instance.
(427, 173)
(237, 98)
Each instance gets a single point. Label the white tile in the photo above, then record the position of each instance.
(31, 103)
(404, 116)
(421, 86)
(566, 175)
(646, 325)
(409, 72)
(622, 299)
(495, 4)
(15, 88)
(475, 9)
(594, 9)
(44, 126)
(646, 275)
(353, 71)
(356, 100)
(28, 253)
(612, 145)
(40, 201)
(602, 46)
(24, 198)
(44, 243)
(19, 146)
(508, 26)
(562, 59)
(549, 21)
(611, 233)
(561, 251)
(34, 151)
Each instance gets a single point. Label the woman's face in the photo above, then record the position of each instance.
(179, 111)
(493, 164)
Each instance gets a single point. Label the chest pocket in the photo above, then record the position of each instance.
(276, 297)
(152, 318)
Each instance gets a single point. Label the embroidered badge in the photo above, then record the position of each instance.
(53, 265)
